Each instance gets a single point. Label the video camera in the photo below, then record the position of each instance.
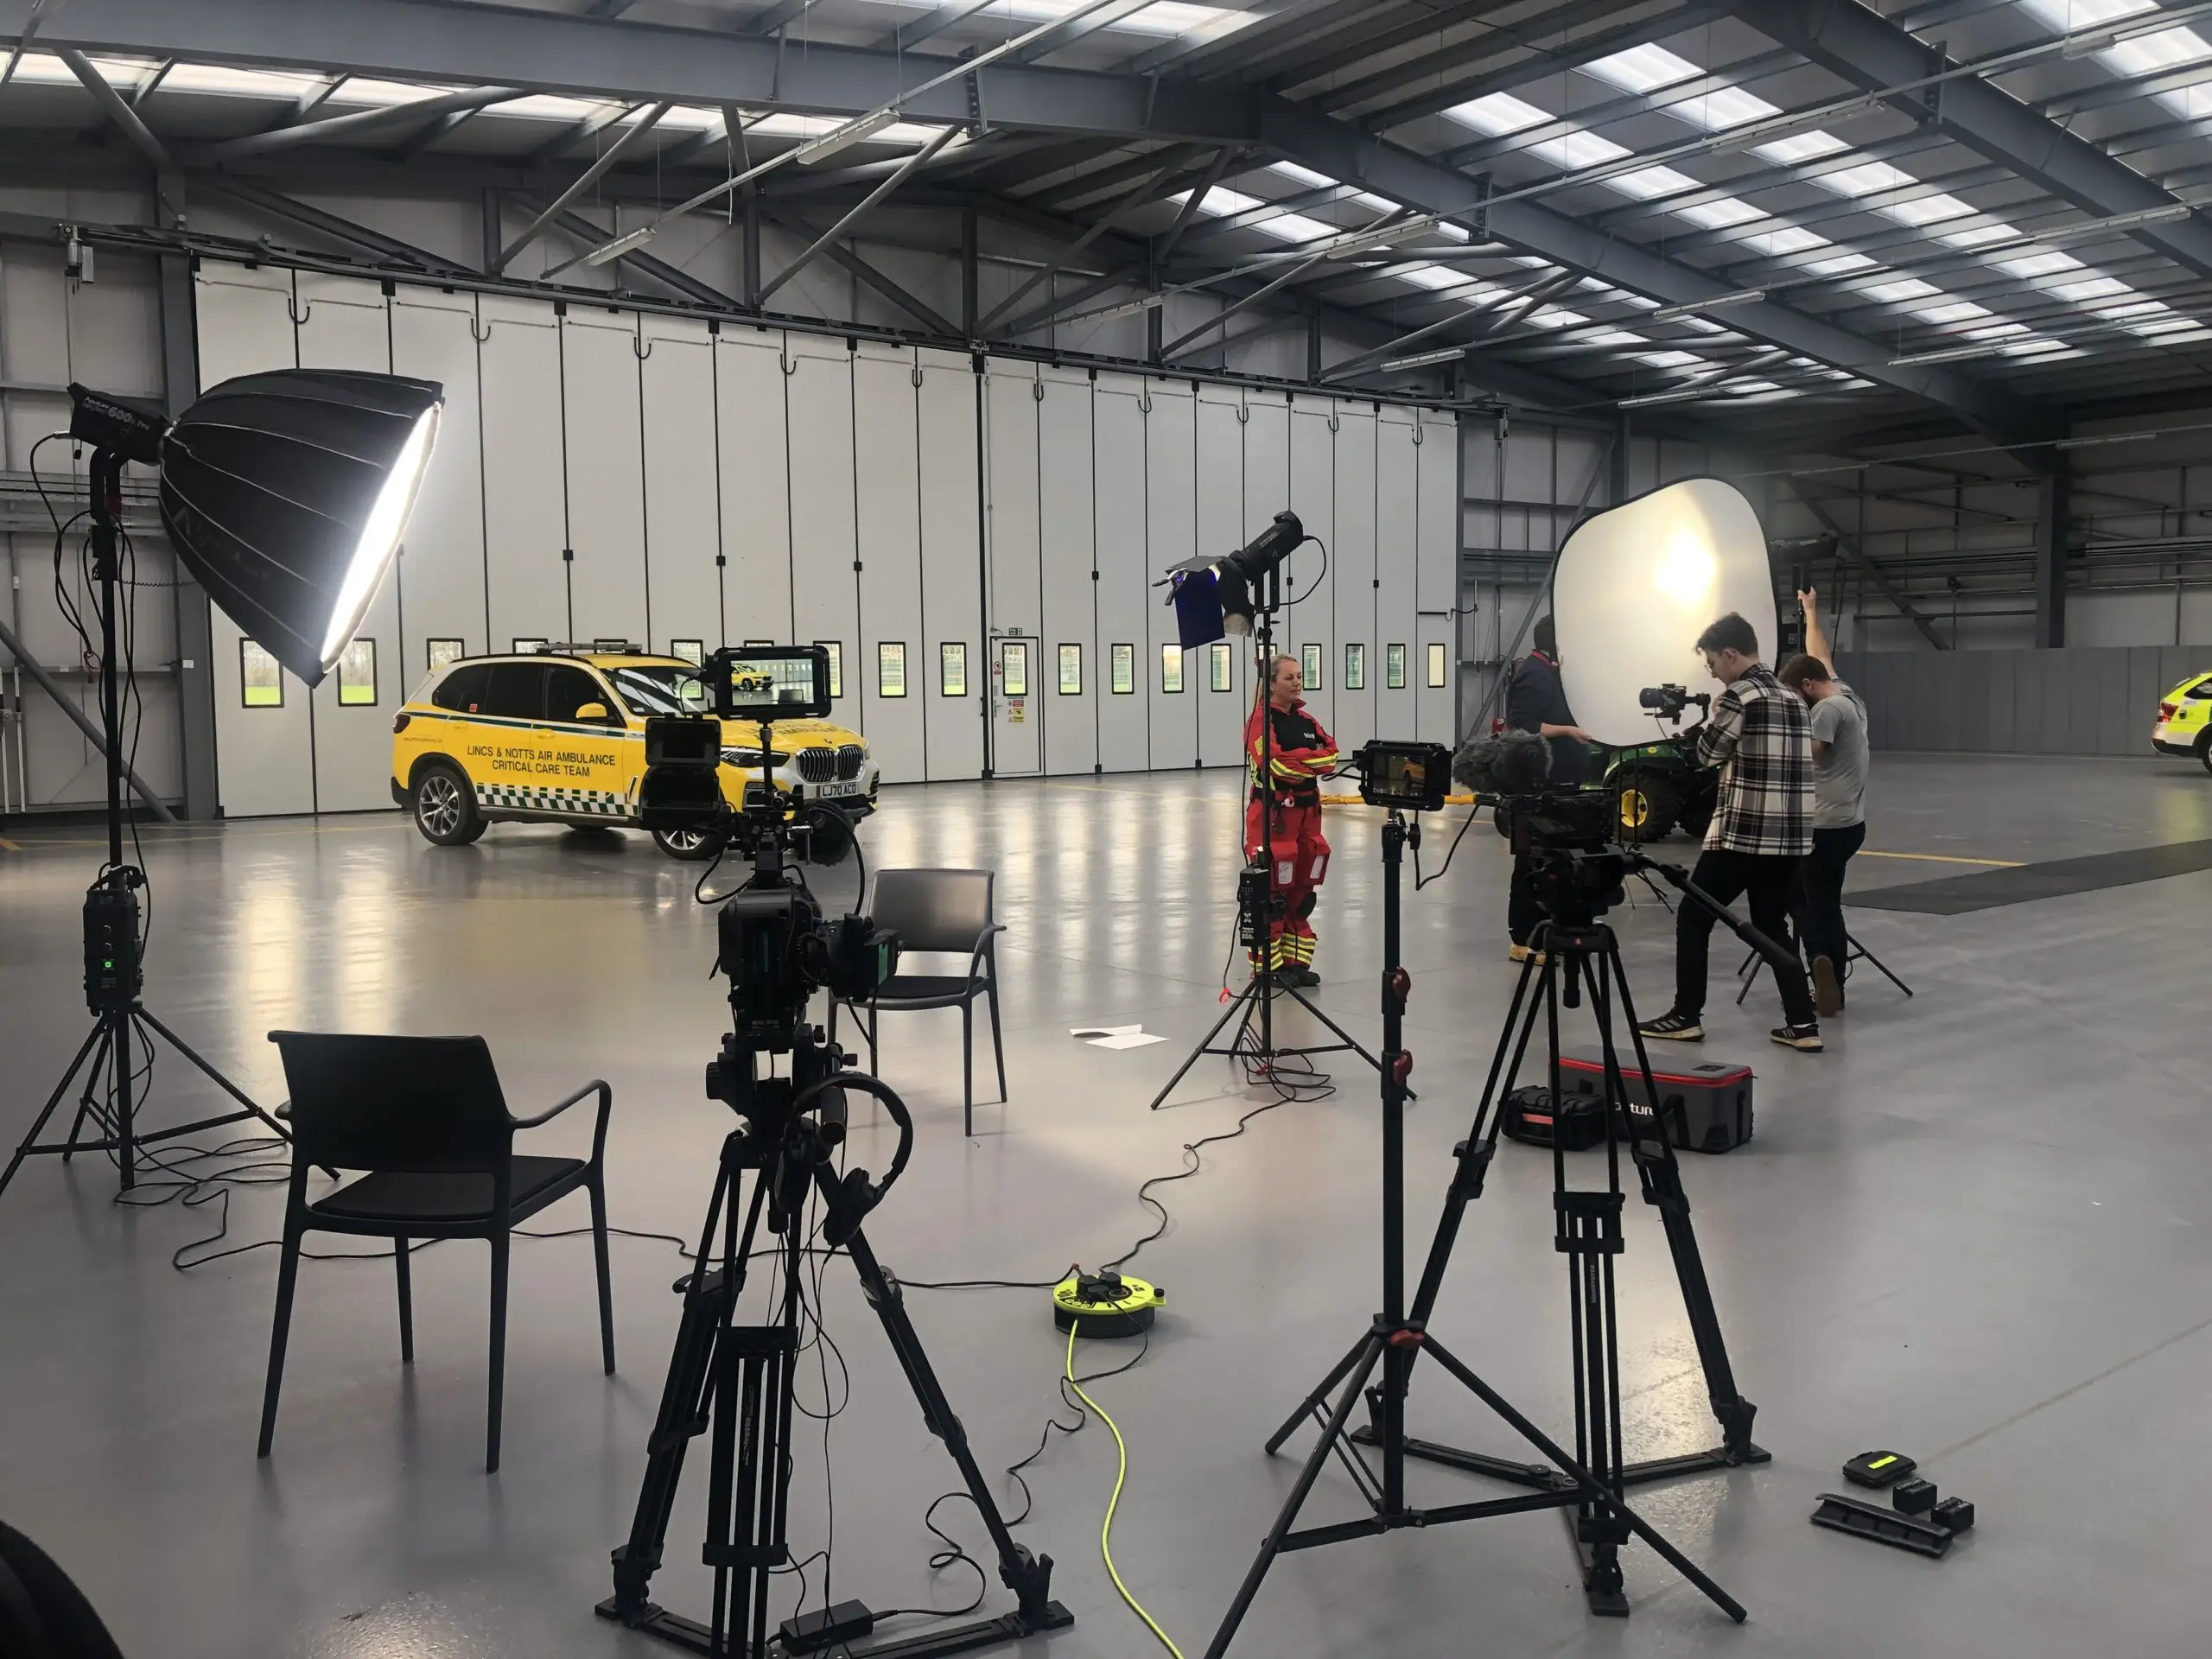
(1564, 832)
(1668, 702)
(682, 789)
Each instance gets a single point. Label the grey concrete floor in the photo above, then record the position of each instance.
(1974, 1230)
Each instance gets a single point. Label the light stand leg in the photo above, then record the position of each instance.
(29, 1143)
(1241, 1003)
(1859, 952)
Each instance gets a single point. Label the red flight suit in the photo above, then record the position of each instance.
(1300, 755)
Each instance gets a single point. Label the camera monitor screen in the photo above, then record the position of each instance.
(1637, 583)
(771, 683)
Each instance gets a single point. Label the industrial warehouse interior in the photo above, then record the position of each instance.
(884, 827)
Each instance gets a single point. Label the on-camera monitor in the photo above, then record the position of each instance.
(774, 683)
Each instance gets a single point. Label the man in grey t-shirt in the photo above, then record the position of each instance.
(1838, 722)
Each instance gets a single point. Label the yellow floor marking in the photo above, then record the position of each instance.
(10, 845)
(1946, 858)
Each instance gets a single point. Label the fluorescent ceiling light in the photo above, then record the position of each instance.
(1423, 359)
(2117, 222)
(620, 245)
(1956, 353)
(1680, 395)
(1742, 297)
(1384, 236)
(2108, 437)
(844, 137)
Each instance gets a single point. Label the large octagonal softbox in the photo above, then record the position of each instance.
(286, 492)
(1637, 584)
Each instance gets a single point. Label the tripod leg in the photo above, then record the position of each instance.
(1365, 1357)
(1312, 1401)
(53, 1101)
(1242, 1003)
(1029, 1577)
(1345, 1037)
(1880, 967)
(1660, 1174)
(88, 1103)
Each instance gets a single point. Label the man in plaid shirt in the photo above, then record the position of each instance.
(1761, 826)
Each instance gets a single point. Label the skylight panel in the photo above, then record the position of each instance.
(1430, 277)
(2168, 49)
(1838, 264)
(1641, 68)
(1497, 114)
(1784, 238)
(1302, 175)
(1649, 181)
(1927, 210)
(1864, 180)
(258, 83)
(1578, 149)
(1168, 17)
(1668, 360)
(1613, 337)
(1552, 317)
(1799, 147)
(1976, 236)
(2094, 287)
(1955, 311)
(1904, 288)
(2030, 266)
(1720, 213)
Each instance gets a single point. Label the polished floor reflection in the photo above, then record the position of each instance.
(1974, 1230)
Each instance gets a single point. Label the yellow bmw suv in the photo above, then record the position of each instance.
(559, 737)
(2185, 719)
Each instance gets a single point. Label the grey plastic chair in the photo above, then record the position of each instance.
(932, 912)
(426, 1117)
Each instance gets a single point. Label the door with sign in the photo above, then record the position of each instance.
(1017, 747)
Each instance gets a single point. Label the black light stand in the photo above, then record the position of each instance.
(1748, 970)
(114, 976)
(1589, 1480)
(1258, 903)
(736, 1380)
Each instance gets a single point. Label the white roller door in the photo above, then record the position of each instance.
(824, 597)
(343, 324)
(750, 437)
(1012, 393)
(1125, 568)
(888, 506)
(525, 476)
(602, 428)
(950, 674)
(1308, 630)
(682, 523)
(442, 561)
(1393, 667)
(1355, 668)
(1212, 672)
(265, 748)
(1067, 696)
(1436, 573)
(1173, 696)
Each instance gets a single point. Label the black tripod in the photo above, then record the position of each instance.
(1257, 906)
(114, 976)
(1748, 970)
(1591, 1480)
(736, 1380)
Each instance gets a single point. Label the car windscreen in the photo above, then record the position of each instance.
(662, 688)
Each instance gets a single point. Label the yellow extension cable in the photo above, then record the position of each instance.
(1120, 1474)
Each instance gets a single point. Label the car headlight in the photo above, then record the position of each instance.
(750, 758)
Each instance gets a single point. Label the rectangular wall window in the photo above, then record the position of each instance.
(836, 650)
(357, 674)
(1355, 668)
(1436, 665)
(1222, 663)
(1394, 667)
(442, 651)
(1171, 668)
(262, 682)
(1309, 666)
(952, 671)
(692, 651)
(1070, 670)
(1014, 668)
(1125, 670)
(524, 647)
(891, 668)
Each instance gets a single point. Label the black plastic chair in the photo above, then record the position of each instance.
(425, 1116)
(934, 911)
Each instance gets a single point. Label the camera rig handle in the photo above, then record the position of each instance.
(856, 1195)
(1776, 956)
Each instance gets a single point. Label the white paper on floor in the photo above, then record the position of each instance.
(1113, 1036)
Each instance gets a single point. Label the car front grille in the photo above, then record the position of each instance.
(817, 765)
(849, 760)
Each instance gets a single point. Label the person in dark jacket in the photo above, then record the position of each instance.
(1535, 701)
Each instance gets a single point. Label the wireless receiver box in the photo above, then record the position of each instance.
(1705, 1108)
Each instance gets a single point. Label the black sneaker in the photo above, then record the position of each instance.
(1674, 1028)
(1806, 1037)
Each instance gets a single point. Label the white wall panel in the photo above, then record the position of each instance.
(442, 561)
(1396, 455)
(886, 440)
(343, 324)
(525, 475)
(1011, 400)
(1124, 571)
(1355, 577)
(754, 478)
(1221, 530)
(952, 567)
(1310, 618)
(1171, 536)
(603, 429)
(1065, 493)
(1436, 583)
(682, 524)
(265, 757)
(824, 596)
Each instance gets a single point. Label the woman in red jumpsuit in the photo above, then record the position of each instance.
(1299, 755)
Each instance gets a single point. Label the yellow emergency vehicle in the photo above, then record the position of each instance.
(558, 736)
(2185, 721)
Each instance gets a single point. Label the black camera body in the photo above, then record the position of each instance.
(1668, 702)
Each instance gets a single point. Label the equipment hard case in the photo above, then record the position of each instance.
(1705, 1108)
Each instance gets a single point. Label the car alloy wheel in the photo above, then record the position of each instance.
(438, 806)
